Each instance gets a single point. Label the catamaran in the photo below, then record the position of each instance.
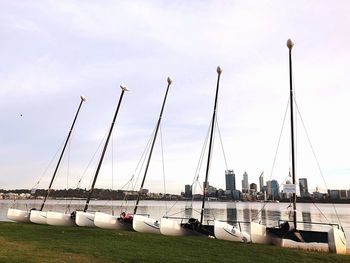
(192, 226)
(287, 233)
(126, 221)
(85, 218)
(40, 216)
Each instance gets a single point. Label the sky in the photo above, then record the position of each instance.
(54, 51)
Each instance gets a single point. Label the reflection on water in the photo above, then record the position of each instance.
(268, 214)
(306, 218)
(231, 214)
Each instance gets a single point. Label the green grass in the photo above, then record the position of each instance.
(42, 243)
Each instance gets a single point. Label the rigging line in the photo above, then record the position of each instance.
(319, 210)
(222, 145)
(142, 160)
(316, 159)
(163, 166)
(275, 157)
(201, 157)
(48, 166)
(87, 167)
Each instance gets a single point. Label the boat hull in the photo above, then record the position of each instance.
(106, 221)
(84, 219)
(145, 224)
(336, 241)
(258, 234)
(225, 231)
(18, 215)
(60, 219)
(172, 227)
(38, 217)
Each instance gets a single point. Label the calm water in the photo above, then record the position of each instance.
(267, 213)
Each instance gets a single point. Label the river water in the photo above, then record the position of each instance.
(267, 213)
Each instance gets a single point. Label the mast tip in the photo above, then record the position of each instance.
(82, 98)
(219, 70)
(123, 87)
(290, 43)
(169, 80)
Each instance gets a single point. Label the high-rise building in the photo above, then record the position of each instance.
(230, 180)
(188, 190)
(275, 190)
(269, 189)
(261, 182)
(245, 183)
(304, 190)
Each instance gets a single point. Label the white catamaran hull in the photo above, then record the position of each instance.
(38, 217)
(106, 221)
(171, 227)
(144, 224)
(18, 215)
(258, 234)
(84, 219)
(60, 219)
(225, 231)
(336, 241)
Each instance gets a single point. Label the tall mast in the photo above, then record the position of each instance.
(123, 88)
(82, 99)
(153, 141)
(205, 188)
(290, 45)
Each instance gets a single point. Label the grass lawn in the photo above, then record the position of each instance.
(43, 243)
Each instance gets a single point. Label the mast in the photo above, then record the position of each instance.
(123, 88)
(169, 80)
(82, 99)
(290, 45)
(205, 189)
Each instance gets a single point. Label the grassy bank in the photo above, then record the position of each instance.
(42, 243)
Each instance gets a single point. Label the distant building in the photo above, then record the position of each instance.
(245, 183)
(212, 191)
(334, 194)
(236, 195)
(261, 182)
(269, 190)
(275, 192)
(144, 191)
(304, 190)
(253, 188)
(188, 191)
(343, 194)
(230, 180)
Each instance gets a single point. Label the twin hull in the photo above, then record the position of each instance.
(60, 219)
(18, 215)
(106, 221)
(84, 219)
(336, 240)
(38, 217)
(145, 224)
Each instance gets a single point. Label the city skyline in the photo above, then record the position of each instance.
(53, 52)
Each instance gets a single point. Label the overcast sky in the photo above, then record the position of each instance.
(54, 51)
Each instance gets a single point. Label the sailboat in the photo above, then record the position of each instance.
(191, 226)
(287, 234)
(40, 216)
(84, 218)
(144, 223)
(128, 221)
